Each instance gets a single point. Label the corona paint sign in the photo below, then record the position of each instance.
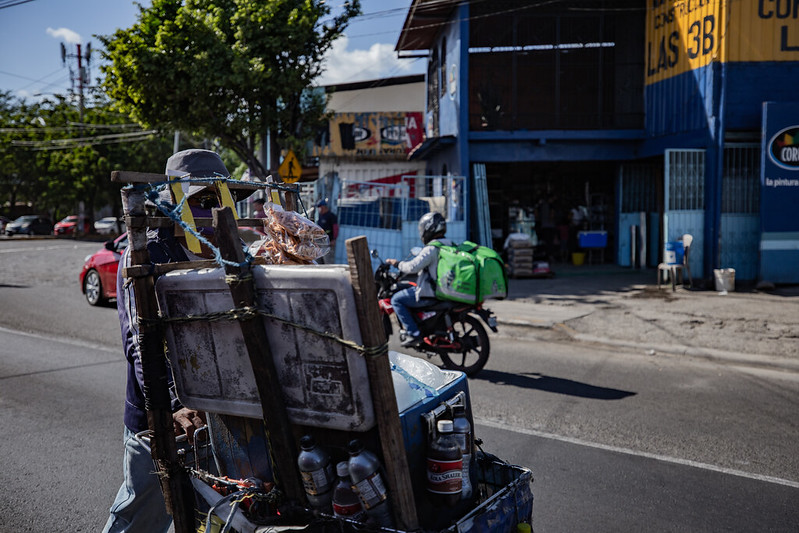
(779, 193)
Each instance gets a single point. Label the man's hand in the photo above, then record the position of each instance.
(186, 421)
(392, 262)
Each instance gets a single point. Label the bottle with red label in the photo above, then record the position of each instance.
(346, 503)
(444, 467)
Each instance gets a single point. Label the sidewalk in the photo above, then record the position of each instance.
(623, 308)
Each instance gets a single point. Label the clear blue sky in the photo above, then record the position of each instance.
(31, 33)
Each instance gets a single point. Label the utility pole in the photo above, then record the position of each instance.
(82, 74)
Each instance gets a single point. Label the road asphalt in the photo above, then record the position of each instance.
(623, 308)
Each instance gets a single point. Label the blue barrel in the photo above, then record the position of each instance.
(673, 253)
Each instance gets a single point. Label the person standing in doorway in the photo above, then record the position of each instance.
(259, 212)
(328, 221)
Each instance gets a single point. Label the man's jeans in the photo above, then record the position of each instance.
(139, 505)
(402, 302)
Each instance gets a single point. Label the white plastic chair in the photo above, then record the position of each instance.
(666, 270)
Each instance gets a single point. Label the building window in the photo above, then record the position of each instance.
(576, 64)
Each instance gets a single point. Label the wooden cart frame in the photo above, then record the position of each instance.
(175, 482)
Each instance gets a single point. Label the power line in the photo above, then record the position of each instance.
(69, 127)
(74, 142)
(12, 3)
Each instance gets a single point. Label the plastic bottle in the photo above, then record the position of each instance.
(367, 481)
(462, 430)
(346, 503)
(317, 474)
(444, 467)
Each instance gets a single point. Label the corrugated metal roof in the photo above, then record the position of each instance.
(424, 20)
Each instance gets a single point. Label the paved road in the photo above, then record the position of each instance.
(617, 441)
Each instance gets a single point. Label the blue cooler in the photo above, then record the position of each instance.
(417, 422)
(592, 239)
(673, 253)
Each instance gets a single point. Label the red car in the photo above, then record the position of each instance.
(98, 279)
(68, 225)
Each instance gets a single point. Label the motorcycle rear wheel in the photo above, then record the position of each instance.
(475, 347)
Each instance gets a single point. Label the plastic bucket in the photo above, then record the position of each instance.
(578, 258)
(673, 253)
(725, 279)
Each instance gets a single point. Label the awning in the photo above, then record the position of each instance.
(430, 147)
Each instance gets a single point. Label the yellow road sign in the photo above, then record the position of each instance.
(290, 169)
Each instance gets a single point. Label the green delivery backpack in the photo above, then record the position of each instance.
(469, 273)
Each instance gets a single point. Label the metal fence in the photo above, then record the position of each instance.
(387, 210)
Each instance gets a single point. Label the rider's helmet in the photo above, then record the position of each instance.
(432, 225)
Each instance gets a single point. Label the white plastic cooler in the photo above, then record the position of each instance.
(325, 383)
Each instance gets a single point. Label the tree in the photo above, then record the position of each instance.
(52, 162)
(226, 69)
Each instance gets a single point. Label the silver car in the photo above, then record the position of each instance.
(109, 226)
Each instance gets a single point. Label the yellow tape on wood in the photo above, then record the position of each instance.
(227, 198)
(185, 215)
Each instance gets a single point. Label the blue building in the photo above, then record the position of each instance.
(658, 118)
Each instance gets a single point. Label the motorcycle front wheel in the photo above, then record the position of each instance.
(473, 339)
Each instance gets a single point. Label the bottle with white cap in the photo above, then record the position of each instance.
(462, 430)
(346, 503)
(444, 467)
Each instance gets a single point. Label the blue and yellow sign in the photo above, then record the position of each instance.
(763, 30)
(681, 35)
(684, 35)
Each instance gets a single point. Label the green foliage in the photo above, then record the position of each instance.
(225, 69)
(50, 161)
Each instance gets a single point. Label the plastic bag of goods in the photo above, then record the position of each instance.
(295, 234)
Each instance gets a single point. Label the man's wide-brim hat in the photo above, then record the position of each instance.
(196, 163)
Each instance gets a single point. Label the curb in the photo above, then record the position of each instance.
(709, 354)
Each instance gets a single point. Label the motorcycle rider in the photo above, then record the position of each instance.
(432, 226)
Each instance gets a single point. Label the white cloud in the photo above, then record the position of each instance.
(379, 61)
(65, 34)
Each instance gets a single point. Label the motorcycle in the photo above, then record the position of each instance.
(450, 330)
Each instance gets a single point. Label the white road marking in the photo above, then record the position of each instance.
(37, 249)
(63, 340)
(675, 460)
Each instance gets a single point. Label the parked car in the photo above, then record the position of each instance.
(68, 225)
(98, 279)
(30, 225)
(109, 226)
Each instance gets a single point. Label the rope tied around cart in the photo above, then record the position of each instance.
(250, 312)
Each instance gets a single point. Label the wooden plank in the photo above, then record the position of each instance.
(175, 483)
(163, 268)
(127, 176)
(382, 385)
(284, 449)
(166, 222)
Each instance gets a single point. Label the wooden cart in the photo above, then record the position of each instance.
(502, 481)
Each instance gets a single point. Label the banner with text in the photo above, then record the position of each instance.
(763, 30)
(779, 195)
(683, 35)
(387, 134)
